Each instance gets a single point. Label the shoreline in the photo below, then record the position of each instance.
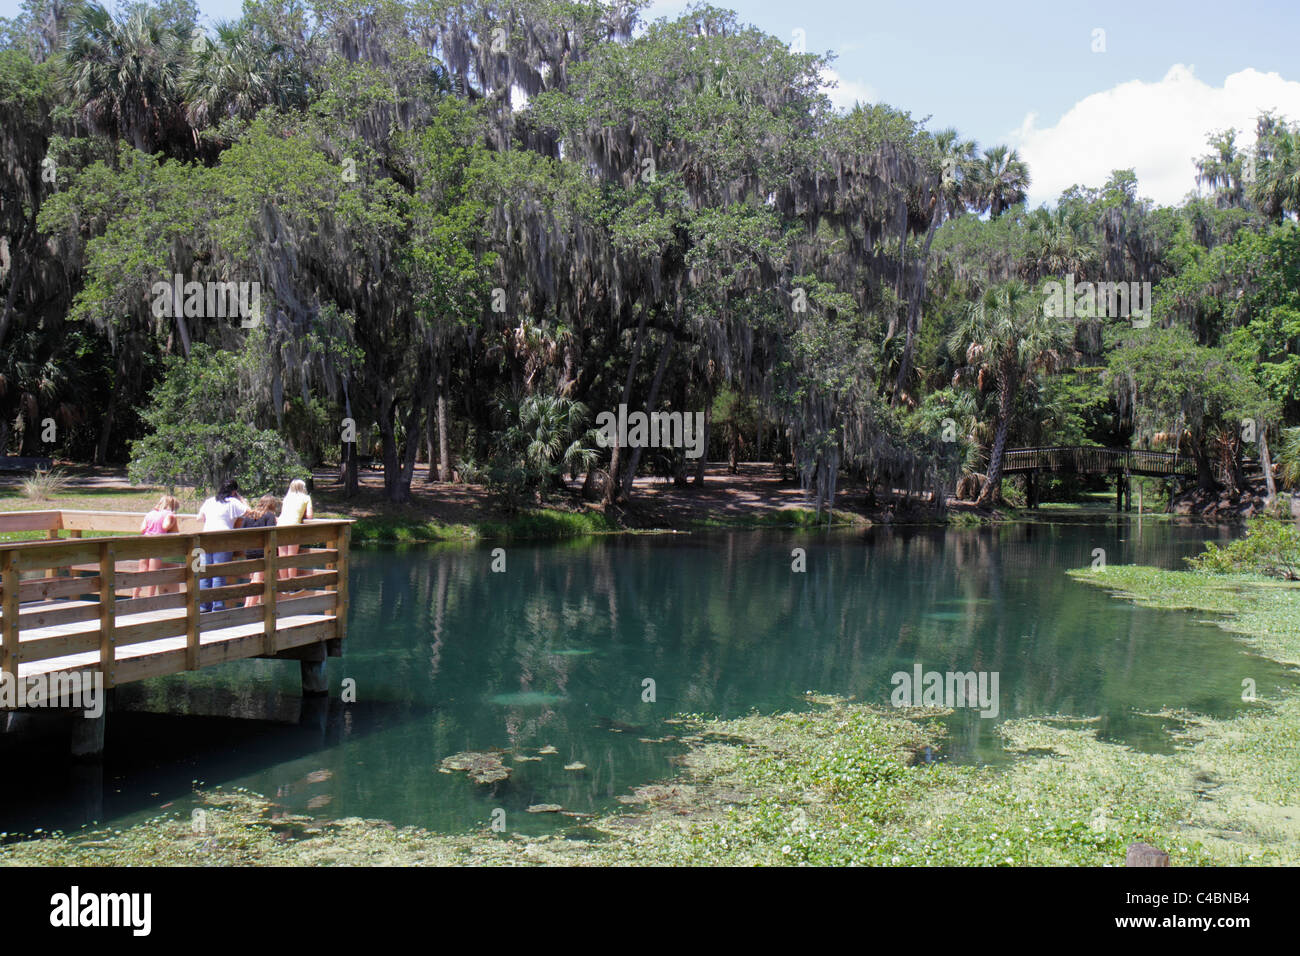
(757, 498)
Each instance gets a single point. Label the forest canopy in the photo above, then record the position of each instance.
(472, 226)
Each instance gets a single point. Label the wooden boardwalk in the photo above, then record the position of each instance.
(69, 604)
(1121, 463)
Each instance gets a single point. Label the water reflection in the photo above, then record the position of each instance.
(448, 656)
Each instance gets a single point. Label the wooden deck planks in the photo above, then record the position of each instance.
(167, 655)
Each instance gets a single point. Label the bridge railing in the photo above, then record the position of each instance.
(82, 596)
(1085, 459)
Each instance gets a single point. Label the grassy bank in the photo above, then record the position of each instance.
(540, 523)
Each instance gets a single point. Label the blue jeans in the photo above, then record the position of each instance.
(221, 558)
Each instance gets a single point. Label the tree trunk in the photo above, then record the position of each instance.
(17, 275)
(183, 330)
(388, 434)
(1204, 468)
(1005, 401)
(708, 427)
(431, 443)
(348, 473)
(110, 415)
(635, 460)
(1266, 462)
(612, 487)
(444, 455)
(105, 432)
(679, 454)
(411, 452)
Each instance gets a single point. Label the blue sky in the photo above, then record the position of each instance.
(1026, 73)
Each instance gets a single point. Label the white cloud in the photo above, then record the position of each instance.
(1155, 128)
(846, 92)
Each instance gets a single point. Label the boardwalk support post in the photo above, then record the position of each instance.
(315, 683)
(88, 735)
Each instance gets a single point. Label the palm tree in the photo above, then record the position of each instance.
(1006, 336)
(1276, 190)
(959, 173)
(1003, 180)
(237, 73)
(547, 437)
(1059, 242)
(125, 73)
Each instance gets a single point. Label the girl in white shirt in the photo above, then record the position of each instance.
(224, 511)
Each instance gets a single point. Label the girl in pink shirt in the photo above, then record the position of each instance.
(162, 520)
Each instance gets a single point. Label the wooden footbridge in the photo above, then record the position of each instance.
(1123, 463)
(86, 605)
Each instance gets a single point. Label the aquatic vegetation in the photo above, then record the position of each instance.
(481, 767)
(1265, 613)
(835, 785)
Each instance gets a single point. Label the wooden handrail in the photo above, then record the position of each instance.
(60, 597)
(1097, 459)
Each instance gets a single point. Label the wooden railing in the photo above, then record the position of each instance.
(1095, 460)
(72, 604)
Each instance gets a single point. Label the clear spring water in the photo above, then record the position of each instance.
(448, 656)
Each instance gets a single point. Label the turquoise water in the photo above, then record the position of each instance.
(448, 656)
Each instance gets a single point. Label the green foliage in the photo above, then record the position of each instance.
(369, 166)
(545, 437)
(1269, 547)
(201, 433)
(1170, 383)
(1288, 458)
